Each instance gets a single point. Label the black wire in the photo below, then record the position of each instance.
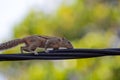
(62, 54)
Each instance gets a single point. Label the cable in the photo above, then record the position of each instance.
(62, 54)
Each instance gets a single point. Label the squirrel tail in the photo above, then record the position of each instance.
(10, 44)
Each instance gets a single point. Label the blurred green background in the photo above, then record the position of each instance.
(87, 24)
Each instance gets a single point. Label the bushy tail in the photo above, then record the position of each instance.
(10, 44)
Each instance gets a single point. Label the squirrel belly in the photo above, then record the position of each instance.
(10, 44)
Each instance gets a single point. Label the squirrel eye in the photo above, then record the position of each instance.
(69, 42)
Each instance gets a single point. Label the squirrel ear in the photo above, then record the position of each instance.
(63, 38)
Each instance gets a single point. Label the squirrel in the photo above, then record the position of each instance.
(36, 41)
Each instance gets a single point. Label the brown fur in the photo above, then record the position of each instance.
(36, 41)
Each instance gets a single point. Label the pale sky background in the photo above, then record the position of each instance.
(13, 11)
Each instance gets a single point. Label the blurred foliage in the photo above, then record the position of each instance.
(87, 24)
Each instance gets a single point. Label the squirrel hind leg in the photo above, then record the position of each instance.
(28, 49)
(35, 53)
(24, 48)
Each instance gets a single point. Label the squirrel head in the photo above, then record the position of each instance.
(65, 43)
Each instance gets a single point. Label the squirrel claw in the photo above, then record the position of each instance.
(47, 51)
(35, 53)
